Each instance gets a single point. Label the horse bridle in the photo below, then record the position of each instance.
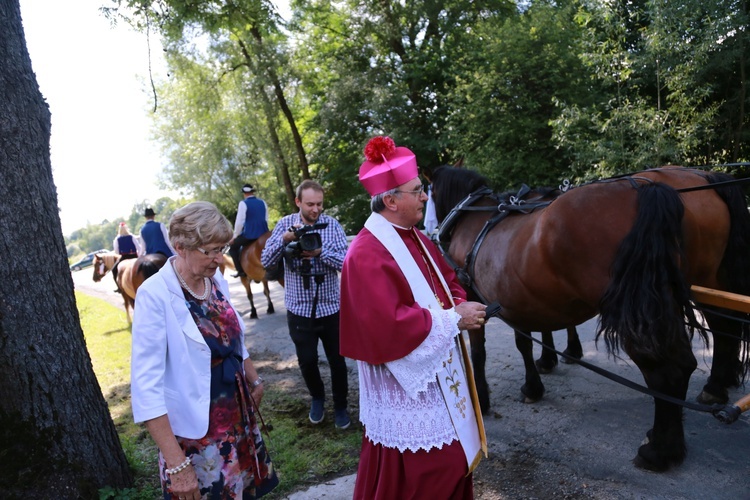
(500, 211)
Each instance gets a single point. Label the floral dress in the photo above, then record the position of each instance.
(231, 460)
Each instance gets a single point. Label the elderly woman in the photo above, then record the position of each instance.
(192, 381)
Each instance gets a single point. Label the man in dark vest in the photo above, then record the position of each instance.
(251, 223)
(154, 235)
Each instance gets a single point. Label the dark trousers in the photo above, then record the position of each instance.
(305, 333)
(235, 249)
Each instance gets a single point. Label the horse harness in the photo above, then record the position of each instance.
(515, 204)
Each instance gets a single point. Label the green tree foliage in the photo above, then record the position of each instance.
(228, 58)
(674, 79)
(510, 78)
(206, 134)
(370, 68)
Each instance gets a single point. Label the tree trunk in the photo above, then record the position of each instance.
(56, 435)
(273, 136)
(281, 100)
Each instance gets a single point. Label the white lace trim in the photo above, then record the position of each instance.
(401, 405)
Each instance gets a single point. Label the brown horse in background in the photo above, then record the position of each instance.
(131, 273)
(254, 270)
(627, 248)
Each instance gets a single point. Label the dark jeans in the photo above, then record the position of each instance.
(305, 333)
(234, 251)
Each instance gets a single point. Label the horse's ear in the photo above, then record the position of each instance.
(459, 163)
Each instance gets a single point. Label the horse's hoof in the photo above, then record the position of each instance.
(254, 315)
(270, 310)
(544, 369)
(646, 459)
(528, 397)
(711, 399)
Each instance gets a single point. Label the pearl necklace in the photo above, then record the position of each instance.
(206, 286)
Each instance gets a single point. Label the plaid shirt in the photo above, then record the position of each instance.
(297, 299)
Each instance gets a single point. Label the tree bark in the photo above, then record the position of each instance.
(56, 435)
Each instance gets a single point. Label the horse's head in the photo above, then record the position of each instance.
(103, 262)
(99, 268)
(451, 185)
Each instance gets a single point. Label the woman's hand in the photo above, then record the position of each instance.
(257, 394)
(184, 484)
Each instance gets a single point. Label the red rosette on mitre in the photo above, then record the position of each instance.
(378, 148)
(387, 167)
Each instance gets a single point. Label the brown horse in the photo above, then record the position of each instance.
(131, 273)
(627, 248)
(250, 259)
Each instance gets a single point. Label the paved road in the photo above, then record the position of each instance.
(577, 442)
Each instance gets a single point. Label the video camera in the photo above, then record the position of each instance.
(307, 241)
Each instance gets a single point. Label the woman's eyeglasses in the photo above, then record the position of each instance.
(215, 252)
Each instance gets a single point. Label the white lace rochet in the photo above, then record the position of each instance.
(401, 404)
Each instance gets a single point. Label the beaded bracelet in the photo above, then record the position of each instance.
(179, 468)
(257, 382)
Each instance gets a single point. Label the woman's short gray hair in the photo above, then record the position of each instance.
(377, 204)
(198, 224)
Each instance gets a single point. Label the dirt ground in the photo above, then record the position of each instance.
(576, 443)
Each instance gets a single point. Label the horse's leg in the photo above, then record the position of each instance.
(267, 293)
(665, 442)
(726, 366)
(574, 349)
(478, 361)
(533, 389)
(548, 360)
(246, 283)
(129, 304)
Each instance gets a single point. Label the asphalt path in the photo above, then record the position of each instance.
(577, 442)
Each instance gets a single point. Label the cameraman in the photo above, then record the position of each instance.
(311, 294)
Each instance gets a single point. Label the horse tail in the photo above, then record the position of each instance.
(735, 264)
(643, 309)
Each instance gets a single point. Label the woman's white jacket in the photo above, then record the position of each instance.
(170, 362)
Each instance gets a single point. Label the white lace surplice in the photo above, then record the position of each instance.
(401, 404)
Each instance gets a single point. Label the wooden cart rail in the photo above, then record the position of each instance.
(719, 298)
(735, 302)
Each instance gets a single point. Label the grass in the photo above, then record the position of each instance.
(304, 455)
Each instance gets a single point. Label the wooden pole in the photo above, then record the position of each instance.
(720, 298)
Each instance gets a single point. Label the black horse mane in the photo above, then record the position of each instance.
(451, 185)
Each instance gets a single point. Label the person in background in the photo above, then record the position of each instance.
(251, 223)
(193, 383)
(430, 219)
(154, 235)
(127, 246)
(311, 295)
(402, 312)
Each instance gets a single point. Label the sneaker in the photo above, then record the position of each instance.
(317, 411)
(342, 418)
